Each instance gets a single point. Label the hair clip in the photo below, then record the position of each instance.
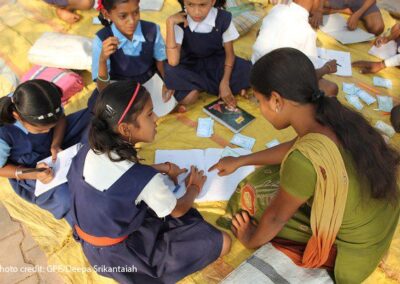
(317, 95)
(110, 111)
(48, 115)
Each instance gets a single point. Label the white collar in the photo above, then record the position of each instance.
(208, 20)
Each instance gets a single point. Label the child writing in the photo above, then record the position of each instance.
(65, 9)
(365, 10)
(127, 48)
(33, 127)
(200, 53)
(338, 200)
(373, 67)
(125, 213)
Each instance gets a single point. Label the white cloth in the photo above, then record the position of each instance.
(394, 60)
(101, 173)
(286, 26)
(206, 26)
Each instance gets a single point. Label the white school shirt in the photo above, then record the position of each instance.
(206, 26)
(101, 173)
(286, 26)
(394, 60)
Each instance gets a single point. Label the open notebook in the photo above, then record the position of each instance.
(335, 25)
(216, 188)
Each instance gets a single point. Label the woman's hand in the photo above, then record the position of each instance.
(380, 40)
(47, 175)
(316, 19)
(226, 166)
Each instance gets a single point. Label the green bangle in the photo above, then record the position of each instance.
(104, 80)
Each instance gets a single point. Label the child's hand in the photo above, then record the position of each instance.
(380, 40)
(225, 166)
(178, 18)
(367, 67)
(45, 176)
(110, 45)
(330, 66)
(196, 178)
(174, 171)
(166, 93)
(54, 149)
(226, 95)
(316, 19)
(352, 22)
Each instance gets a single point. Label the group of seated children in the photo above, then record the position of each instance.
(338, 199)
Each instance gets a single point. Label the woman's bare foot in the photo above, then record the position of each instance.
(67, 16)
(243, 228)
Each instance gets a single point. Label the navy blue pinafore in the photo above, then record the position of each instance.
(202, 62)
(137, 68)
(161, 250)
(28, 149)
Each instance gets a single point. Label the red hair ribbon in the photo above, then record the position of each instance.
(128, 107)
(100, 5)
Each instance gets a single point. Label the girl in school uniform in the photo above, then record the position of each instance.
(127, 48)
(365, 10)
(201, 55)
(125, 213)
(34, 127)
(65, 9)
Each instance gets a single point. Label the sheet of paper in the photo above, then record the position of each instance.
(382, 82)
(385, 103)
(154, 5)
(272, 143)
(243, 141)
(385, 128)
(385, 51)
(343, 59)
(349, 89)
(335, 25)
(216, 188)
(154, 87)
(60, 169)
(205, 127)
(354, 101)
(365, 97)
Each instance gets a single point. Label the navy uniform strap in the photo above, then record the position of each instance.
(105, 33)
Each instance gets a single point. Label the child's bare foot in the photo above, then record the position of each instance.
(181, 109)
(67, 16)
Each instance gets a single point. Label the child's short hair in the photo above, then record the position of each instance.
(395, 118)
(218, 4)
(38, 102)
(110, 106)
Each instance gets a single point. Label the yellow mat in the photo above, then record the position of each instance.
(23, 21)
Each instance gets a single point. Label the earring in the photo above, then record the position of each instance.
(130, 139)
(276, 110)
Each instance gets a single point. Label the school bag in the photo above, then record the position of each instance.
(69, 82)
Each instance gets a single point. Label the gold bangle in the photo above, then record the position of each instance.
(104, 80)
(171, 47)
(230, 66)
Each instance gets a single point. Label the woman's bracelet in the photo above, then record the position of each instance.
(104, 80)
(230, 66)
(174, 47)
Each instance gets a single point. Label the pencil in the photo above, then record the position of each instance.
(36, 170)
